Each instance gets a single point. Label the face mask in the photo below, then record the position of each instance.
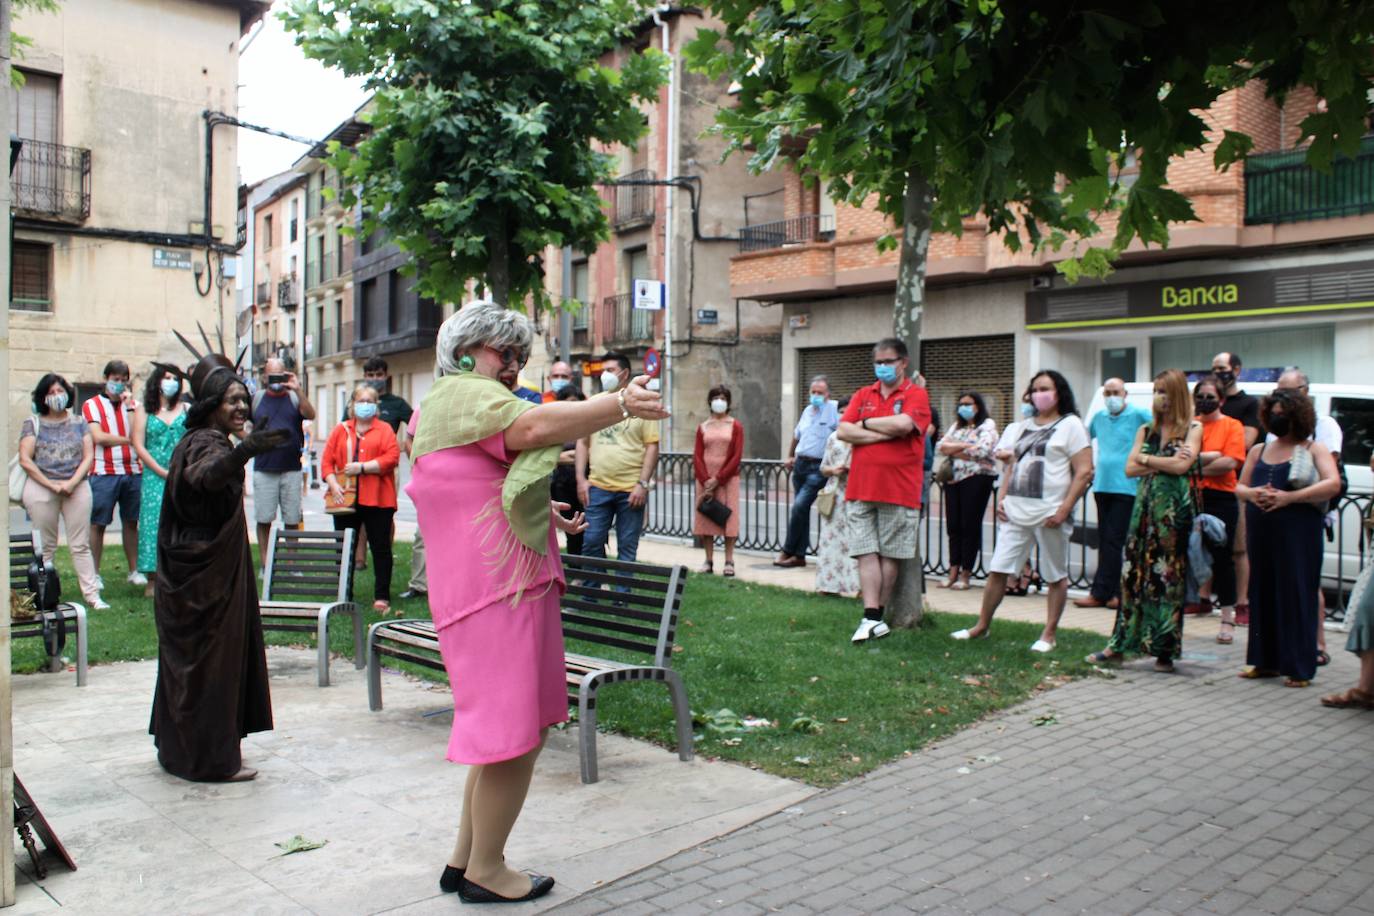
(1115, 404)
(886, 374)
(1027, 410)
(364, 410)
(1043, 400)
(170, 387)
(720, 405)
(558, 384)
(1279, 425)
(56, 402)
(609, 381)
(1226, 378)
(378, 384)
(114, 389)
(1161, 401)
(966, 411)
(1206, 405)
(818, 401)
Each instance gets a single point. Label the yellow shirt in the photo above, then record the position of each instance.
(617, 454)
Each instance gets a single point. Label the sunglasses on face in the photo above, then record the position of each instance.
(511, 355)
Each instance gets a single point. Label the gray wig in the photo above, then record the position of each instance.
(477, 324)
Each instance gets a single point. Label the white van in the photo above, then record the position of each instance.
(1352, 406)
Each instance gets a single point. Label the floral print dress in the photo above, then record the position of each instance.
(837, 573)
(1154, 572)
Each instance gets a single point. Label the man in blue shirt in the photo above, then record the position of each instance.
(1113, 429)
(817, 422)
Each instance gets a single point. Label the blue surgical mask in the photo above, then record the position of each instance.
(558, 384)
(966, 412)
(1027, 410)
(114, 389)
(1115, 404)
(818, 401)
(886, 374)
(364, 410)
(170, 387)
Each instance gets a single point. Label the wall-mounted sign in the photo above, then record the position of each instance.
(797, 322)
(591, 367)
(1244, 294)
(650, 295)
(708, 316)
(172, 258)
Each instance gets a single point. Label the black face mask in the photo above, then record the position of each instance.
(1226, 378)
(1205, 405)
(1280, 425)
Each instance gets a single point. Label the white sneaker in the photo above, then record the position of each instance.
(870, 629)
(99, 583)
(98, 604)
(137, 578)
(1041, 646)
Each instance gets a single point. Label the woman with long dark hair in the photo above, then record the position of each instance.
(968, 444)
(159, 424)
(1052, 464)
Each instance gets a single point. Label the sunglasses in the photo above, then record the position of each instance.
(511, 355)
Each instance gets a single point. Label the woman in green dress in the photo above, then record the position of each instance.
(159, 424)
(1155, 568)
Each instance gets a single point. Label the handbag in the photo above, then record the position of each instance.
(825, 502)
(715, 510)
(18, 477)
(943, 472)
(1302, 470)
(345, 504)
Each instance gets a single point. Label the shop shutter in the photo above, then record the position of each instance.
(983, 364)
(848, 368)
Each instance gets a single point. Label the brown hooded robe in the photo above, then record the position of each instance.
(212, 667)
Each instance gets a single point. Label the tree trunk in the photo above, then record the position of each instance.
(498, 266)
(907, 607)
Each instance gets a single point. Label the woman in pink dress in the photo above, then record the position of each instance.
(480, 483)
(715, 464)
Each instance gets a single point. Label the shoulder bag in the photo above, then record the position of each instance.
(345, 504)
(715, 510)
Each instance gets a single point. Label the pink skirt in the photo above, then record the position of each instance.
(505, 667)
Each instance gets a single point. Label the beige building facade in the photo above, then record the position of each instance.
(111, 246)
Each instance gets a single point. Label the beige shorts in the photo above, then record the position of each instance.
(886, 529)
(1015, 544)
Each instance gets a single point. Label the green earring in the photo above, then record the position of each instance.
(466, 363)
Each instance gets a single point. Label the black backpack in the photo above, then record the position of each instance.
(47, 595)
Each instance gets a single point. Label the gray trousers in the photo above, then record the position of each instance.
(418, 580)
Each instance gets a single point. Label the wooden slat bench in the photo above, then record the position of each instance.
(24, 549)
(308, 578)
(629, 607)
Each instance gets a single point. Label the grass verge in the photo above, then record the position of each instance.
(833, 710)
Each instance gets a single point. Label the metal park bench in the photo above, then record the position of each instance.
(307, 581)
(24, 550)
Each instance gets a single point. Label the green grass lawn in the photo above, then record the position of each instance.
(836, 710)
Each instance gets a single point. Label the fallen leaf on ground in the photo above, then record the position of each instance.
(841, 719)
(1046, 719)
(802, 761)
(299, 843)
(973, 682)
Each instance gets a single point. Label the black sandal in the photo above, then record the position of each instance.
(1322, 658)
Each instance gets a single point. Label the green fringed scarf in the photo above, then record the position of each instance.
(468, 407)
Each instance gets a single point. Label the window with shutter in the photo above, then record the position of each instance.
(31, 277)
(33, 107)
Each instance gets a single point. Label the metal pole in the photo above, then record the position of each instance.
(6, 699)
(564, 319)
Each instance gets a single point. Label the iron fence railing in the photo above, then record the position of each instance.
(52, 180)
(766, 502)
(1282, 188)
(813, 227)
(287, 294)
(634, 203)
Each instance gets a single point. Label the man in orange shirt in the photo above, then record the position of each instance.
(560, 377)
(1223, 454)
(886, 423)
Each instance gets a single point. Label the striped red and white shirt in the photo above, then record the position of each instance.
(115, 420)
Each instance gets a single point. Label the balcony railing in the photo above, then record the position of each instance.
(813, 227)
(264, 296)
(1283, 188)
(634, 204)
(626, 324)
(52, 180)
(287, 296)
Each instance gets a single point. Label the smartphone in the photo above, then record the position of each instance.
(276, 379)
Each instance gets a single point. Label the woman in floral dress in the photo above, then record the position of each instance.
(1155, 571)
(159, 424)
(837, 573)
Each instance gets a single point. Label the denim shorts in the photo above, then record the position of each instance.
(108, 489)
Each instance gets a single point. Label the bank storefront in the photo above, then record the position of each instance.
(1315, 311)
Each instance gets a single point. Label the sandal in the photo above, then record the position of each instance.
(1226, 637)
(1322, 658)
(729, 570)
(1253, 673)
(1019, 591)
(1242, 615)
(1164, 666)
(1295, 682)
(1354, 698)
(706, 569)
(382, 607)
(1103, 658)
(960, 586)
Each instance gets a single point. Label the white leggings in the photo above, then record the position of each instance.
(45, 508)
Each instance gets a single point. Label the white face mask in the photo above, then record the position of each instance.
(610, 381)
(720, 405)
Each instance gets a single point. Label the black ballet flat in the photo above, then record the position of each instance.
(476, 893)
(451, 880)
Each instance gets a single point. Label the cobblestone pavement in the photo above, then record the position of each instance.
(1146, 793)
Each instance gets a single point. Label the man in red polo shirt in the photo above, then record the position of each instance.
(886, 424)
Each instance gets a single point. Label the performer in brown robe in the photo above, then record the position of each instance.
(212, 668)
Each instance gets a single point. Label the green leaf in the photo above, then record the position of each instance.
(299, 843)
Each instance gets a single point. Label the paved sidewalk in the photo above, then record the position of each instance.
(1145, 793)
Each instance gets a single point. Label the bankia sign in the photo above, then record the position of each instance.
(1242, 294)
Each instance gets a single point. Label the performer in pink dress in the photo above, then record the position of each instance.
(480, 483)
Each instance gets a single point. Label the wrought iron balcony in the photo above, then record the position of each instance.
(625, 324)
(634, 204)
(1282, 188)
(813, 227)
(264, 295)
(287, 295)
(52, 180)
